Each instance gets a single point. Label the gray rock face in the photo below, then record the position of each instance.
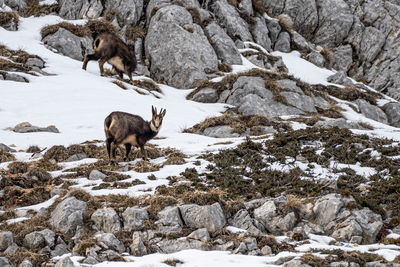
(201, 234)
(15, 4)
(210, 216)
(392, 111)
(6, 148)
(77, 9)
(179, 52)
(295, 263)
(339, 77)
(134, 218)
(342, 57)
(327, 208)
(26, 127)
(246, 7)
(26, 263)
(223, 44)
(106, 220)
(4, 262)
(169, 220)
(340, 123)
(265, 213)
(67, 216)
(128, 12)
(109, 241)
(243, 220)
(65, 262)
(15, 77)
(137, 247)
(68, 44)
(96, 175)
(206, 95)
(34, 240)
(260, 33)
(6, 240)
(35, 62)
(274, 29)
(227, 16)
(283, 42)
(153, 5)
(174, 245)
(316, 58)
(224, 131)
(371, 111)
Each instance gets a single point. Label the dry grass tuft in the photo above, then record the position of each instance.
(145, 166)
(18, 167)
(173, 262)
(134, 32)
(6, 156)
(77, 30)
(148, 85)
(33, 149)
(224, 67)
(6, 17)
(120, 84)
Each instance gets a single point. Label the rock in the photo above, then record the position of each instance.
(11, 249)
(4, 262)
(6, 240)
(16, 78)
(137, 247)
(67, 216)
(300, 43)
(26, 127)
(206, 95)
(283, 42)
(35, 62)
(49, 237)
(274, 29)
(209, 216)
(169, 220)
(174, 245)
(26, 263)
(200, 234)
(327, 208)
(3, 147)
(371, 44)
(223, 131)
(316, 58)
(96, 175)
(76, 157)
(68, 44)
(243, 221)
(34, 240)
(370, 223)
(241, 249)
(246, 7)
(223, 45)
(266, 250)
(392, 111)
(286, 223)
(295, 263)
(65, 262)
(134, 218)
(183, 60)
(265, 213)
(371, 111)
(227, 15)
(77, 9)
(341, 58)
(251, 243)
(59, 250)
(340, 123)
(339, 77)
(127, 12)
(109, 241)
(260, 33)
(153, 5)
(339, 264)
(346, 230)
(15, 4)
(106, 220)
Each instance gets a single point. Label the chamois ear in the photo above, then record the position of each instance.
(153, 111)
(162, 113)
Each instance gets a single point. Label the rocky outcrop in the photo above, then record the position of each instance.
(106, 220)
(179, 52)
(210, 217)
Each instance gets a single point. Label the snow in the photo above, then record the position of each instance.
(44, 204)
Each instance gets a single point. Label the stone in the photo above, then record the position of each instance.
(106, 220)
(68, 215)
(251, 243)
(59, 250)
(34, 240)
(128, 12)
(286, 223)
(65, 262)
(316, 58)
(209, 216)
(16, 78)
(35, 62)
(169, 220)
(392, 111)
(109, 241)
(49, 237)
(266, 213)
(223, 45)
(4, 262)
(371, 44)
(76, 157)
(201, 234)
(224, 131)
(26, 263)
(77, 9)
(28, 128)
(137, 247)
(339, 264)
(346, 230)
(154, 5)
(224, 247)
(134, 218)
(283, 42)
(295, 263)
(339, 77)
(246, 7)
(241, 249)
(6, 240)
(274, 29)
(300, 101)
(68, 44)
(3, 147)
(260, 33)
(183, 60)
(243, 220)
(96, 175)
(371, 111)
(327, 208)
(230, 19)
(300, 43)
(340, 123)
(370, 223)
(206, 95)
(11, 249)
(15, 4)
(266, 250)
(341, 57)
(175, 245)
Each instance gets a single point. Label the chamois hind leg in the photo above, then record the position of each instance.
(128, 149)
(101, 66)
(144, 153)
(89, 57)
(108, 144)
(113, 152)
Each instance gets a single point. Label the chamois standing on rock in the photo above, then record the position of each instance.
(110, 48)
(130, 130)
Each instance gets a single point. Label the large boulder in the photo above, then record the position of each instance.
(227, 16)
(68, 44)
(169, 220)
(392, 111)
(223, 44)
(6, 240)
(178, 50)
(260, 33)
(134, 218)
(371, 111)
(106, 220)
(77, 9)
(327, 208)
(209, 216)
(128, 12)
(68, 215)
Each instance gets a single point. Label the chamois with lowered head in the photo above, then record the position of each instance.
(110, 48)
(130, 130)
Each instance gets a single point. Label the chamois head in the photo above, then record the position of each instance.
(156, 120)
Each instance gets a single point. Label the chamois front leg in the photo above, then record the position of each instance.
(108, 144)
(144, 153)
(101, 66)
(128, 149)
(89, 57)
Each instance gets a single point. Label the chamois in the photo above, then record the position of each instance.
(109, 47)
(130, 130)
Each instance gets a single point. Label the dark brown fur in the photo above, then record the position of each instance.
(109, 47)
(130, 130)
